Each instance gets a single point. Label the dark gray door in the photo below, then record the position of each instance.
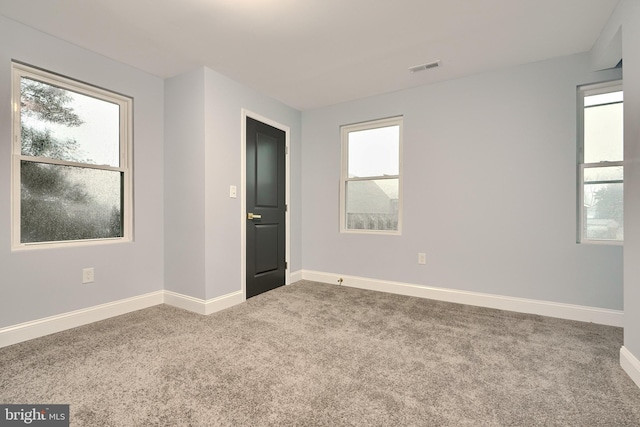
(265, 214)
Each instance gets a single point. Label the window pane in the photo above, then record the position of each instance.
(610, 173)
(69, 203)
(374, 152)
(65, 125)
(603, 133)
(603, 211)
(372, 204)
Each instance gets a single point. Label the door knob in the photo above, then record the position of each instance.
(253, 216)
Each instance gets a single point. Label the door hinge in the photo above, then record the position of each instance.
(286, 265)
(286, 149)
(286, 208)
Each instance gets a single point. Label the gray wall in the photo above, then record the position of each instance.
(631, 57)
(203, 154)
(489, 189)
(45, 282)
(184, 186)
(619, 40)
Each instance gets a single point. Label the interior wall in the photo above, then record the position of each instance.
(489, 189)
(46, 282)
(203, 159)
(224, 101)
(631, 63)
(184, 186)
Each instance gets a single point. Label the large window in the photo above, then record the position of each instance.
(370, 199)
(71, 161)
(600, 163)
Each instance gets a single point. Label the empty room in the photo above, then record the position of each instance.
(268, 212)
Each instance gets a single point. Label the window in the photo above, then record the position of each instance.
(371, 187)
(71, 167)
(600, 163)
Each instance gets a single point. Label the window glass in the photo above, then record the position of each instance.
(66, 125)
(69, 203)
(603, 133)
(374, 152)
(604, 211)
(372, 204)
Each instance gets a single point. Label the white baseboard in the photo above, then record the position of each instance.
(545, 308)
(295, 276)
(41, 327)
(201, 306)
(630, 364)
(49, 325)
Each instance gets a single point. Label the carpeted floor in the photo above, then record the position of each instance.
(315, 354)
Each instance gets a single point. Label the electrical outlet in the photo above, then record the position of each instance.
(422, 258)
(87, 275)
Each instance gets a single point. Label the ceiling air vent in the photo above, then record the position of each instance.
(430, 65)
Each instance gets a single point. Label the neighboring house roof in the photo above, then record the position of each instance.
(372, 196)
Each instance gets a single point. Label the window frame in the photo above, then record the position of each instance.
(344, 178)
(582, 92)
(20, 70)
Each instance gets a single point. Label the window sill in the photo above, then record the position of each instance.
(602, 242)
(68, 244)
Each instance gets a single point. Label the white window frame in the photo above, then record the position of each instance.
(584, 91)
(125, 103)
(344, 178)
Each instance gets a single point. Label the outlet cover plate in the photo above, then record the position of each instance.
(87, 275)
(422, 258)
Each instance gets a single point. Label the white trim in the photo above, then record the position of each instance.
(630, 364)
(184, 302)
(201, 306)
(295, 277)
(125, 147)
(522, 305)
(582, 92)
(345, 130)
(244, 113)
(49, 325)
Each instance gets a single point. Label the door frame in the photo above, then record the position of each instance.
(244, 113)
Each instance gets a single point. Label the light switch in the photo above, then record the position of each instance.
(233, 192)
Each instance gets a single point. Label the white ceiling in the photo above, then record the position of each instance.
(312, 53)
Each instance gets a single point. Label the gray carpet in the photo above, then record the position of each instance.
(315, 354)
